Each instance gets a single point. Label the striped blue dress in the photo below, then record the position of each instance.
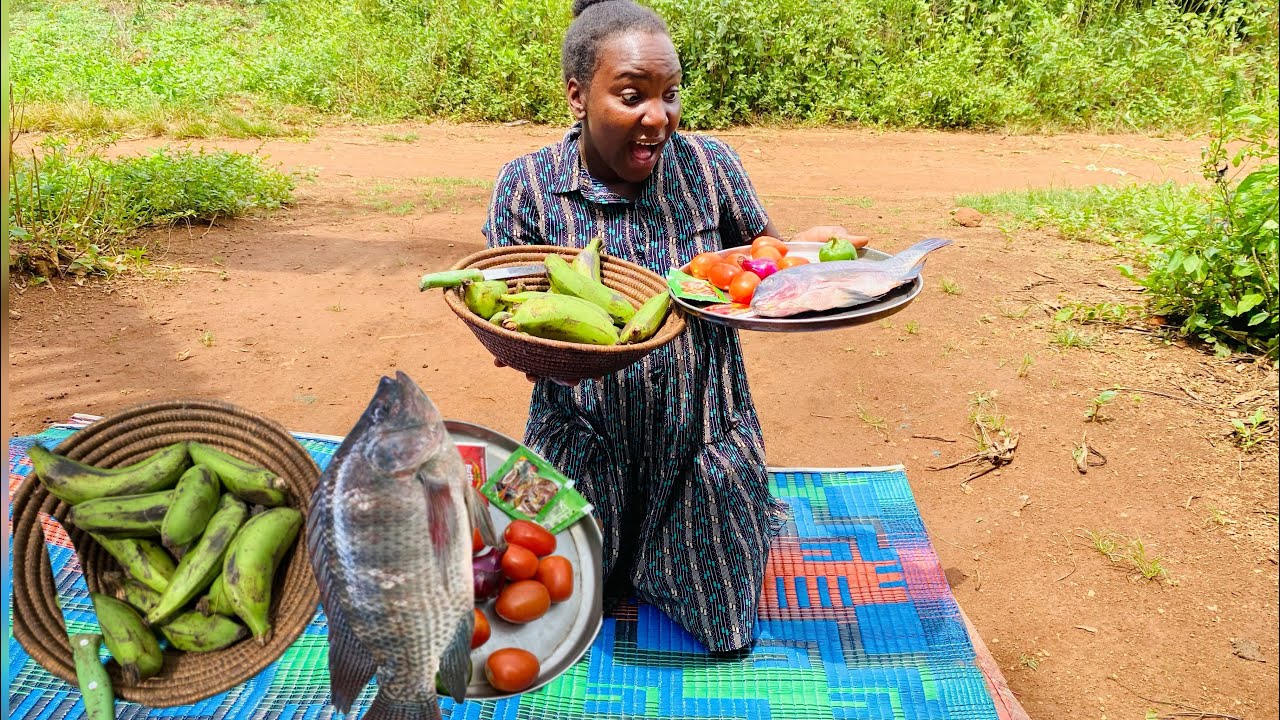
(669, 450)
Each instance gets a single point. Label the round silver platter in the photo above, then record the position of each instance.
(882, 307)
(562, 636)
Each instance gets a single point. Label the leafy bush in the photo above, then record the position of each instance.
(72, 211)
(1215, 270)
(909, 63)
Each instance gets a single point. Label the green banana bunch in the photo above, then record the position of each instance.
(132, 644)
(216, 601)
(484, 298)
(250, 566)
(193, 632)
(563, 317)
(567, 281)
(92, 677)
(201, 564)
(145, 560)
(194, 501)
(647, 319)
(123, 516)
(449, 278)
(75, 482)
(248, 482)
(587, 262)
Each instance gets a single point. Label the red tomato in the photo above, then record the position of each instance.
(737, 258)
(480, 635)
(767, 241)
(766, 251)
(556, 573)
(531, 536)
(791, 261)
(511, 670)
(523, 601)
(477, 542)
(723, 274)
(702, 264)
(743, 287)
(519, 563)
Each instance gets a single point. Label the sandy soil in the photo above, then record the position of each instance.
(296, 314)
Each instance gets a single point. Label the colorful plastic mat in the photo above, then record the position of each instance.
(857, 623)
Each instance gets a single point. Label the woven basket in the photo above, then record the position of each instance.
(554, 358)
(124, 439)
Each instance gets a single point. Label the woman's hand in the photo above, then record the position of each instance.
(823, 233)
(534, 378)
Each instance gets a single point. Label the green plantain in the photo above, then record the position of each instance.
(123, 516)
(567, 281)
(647, 319)
(564, 318)
(75, 482)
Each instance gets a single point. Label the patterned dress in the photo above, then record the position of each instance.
(669, 450)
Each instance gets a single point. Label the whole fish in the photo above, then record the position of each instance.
(389, 534)
(838, 283)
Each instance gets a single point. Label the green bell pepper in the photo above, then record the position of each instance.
(837, 249)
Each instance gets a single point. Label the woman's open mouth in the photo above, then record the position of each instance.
(644, 153)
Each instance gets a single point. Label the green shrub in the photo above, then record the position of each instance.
(1215, 270)
(1098, 64)
(72, 211)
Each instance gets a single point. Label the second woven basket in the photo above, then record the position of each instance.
(124, 439)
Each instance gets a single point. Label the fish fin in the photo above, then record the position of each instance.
(351, 665)
(384, 708)
(480, 518)
(441, 518)
(455, 665)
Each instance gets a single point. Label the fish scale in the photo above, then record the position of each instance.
(390, 541)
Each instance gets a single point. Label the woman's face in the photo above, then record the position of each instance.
(631, 108)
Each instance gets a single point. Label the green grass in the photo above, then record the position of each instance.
(1131, 553)
(1100, 214)
(1033, 64)
(72, 211)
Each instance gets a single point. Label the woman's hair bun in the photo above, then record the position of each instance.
(580, 5)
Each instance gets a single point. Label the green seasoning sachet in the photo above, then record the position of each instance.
(527, 487)
(688, 287)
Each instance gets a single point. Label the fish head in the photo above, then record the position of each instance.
(407, 431)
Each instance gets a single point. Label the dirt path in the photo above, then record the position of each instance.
(296, 315)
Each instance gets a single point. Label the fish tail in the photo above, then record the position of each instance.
(914, 255)
(385, 708)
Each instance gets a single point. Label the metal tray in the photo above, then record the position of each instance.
(562, 636)
(882, 307)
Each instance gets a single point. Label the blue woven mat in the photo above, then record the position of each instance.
(856, 623)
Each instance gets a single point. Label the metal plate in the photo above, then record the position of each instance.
(882, 307)
(562, 636)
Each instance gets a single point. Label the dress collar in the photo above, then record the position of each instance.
(571, 174)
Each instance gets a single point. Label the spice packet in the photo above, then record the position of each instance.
(473, 456)
(688, 287)
(528, 487)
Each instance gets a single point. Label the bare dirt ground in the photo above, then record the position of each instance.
(295, 315)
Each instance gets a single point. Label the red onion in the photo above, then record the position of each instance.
(764, 267)
(486, 569)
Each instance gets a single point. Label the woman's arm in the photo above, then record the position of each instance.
(820, 233)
